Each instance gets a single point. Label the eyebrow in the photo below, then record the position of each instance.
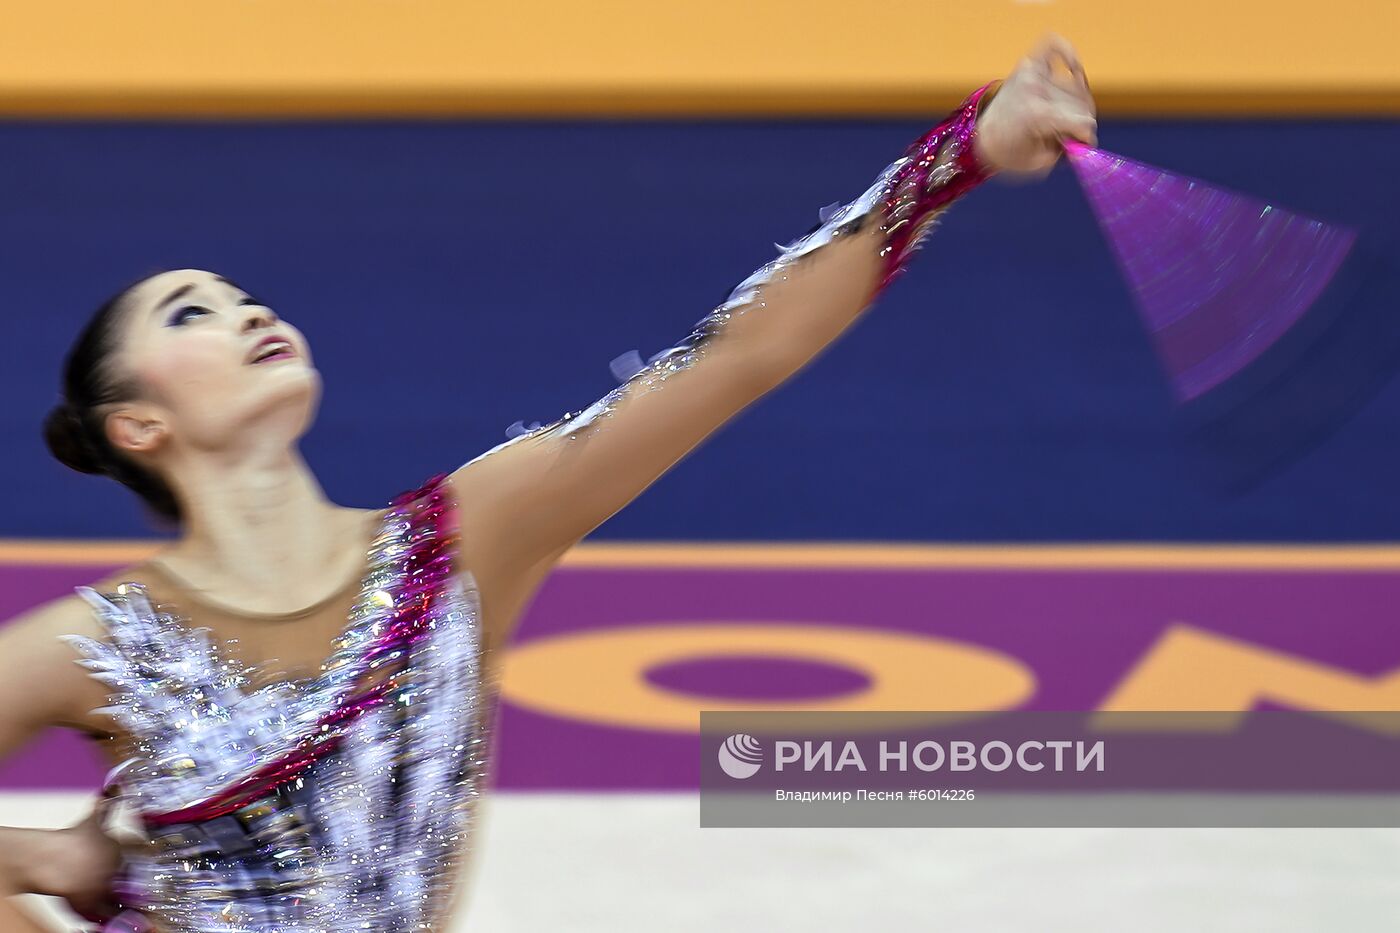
(184, 290)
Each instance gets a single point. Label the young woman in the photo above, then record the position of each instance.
(296, 697)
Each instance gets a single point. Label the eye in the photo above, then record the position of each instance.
(180, 316)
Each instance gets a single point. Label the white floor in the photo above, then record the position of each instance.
(623, 863)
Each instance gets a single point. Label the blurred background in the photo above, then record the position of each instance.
(470, 209)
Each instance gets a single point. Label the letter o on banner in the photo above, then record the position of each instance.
(599, 676)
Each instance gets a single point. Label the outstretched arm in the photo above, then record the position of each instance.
(529, 499)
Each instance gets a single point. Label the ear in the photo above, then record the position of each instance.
(136, 429)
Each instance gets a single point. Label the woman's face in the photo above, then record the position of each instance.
(198, 347)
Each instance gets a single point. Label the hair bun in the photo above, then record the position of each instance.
(67, 438)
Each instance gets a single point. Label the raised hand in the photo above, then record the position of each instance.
(1036, 108)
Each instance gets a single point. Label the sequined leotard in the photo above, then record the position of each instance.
(342, 802)
(333, 803)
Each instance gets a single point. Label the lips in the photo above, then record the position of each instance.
(272, 348)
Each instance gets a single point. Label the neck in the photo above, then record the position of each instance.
(260, 525)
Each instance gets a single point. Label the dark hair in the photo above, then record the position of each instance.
(75, 429)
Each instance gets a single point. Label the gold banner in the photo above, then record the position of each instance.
(643, 57)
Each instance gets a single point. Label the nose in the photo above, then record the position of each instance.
(257, 316)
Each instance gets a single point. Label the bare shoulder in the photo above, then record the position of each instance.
(493, 493)
(39, 673)
(505, 581)
(49, 622)
(488, 492)
(475, 487)
(480, 481)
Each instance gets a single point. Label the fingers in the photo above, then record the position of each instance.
(1054, 47)
(1081, 127)
(1050, 85)
(1074, 107)
(1070, 104)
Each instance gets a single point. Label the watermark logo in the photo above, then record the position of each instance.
(1049, 768)
(740, 756)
